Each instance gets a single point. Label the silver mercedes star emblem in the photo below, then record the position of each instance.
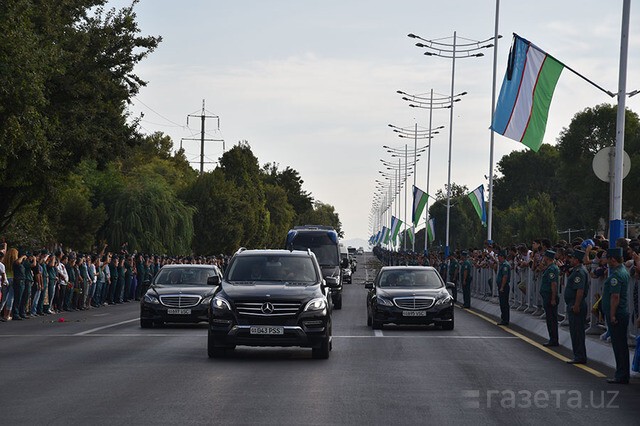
(267, 308)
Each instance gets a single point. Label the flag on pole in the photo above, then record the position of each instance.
(431, 229)
(477, 199)
(410, 235)
(420, 199)
(385, 235)
(525, 96)
(396, 224)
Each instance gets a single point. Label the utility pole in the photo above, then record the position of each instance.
(202, 139)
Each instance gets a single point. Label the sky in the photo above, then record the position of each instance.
(312, 84)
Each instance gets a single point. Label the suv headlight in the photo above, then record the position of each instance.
(384, 302)
(150, 298)
(206, 300)
(220, 304)
(317, 304)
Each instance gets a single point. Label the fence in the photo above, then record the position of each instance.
(525, 296)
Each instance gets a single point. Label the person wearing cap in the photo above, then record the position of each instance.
(575, 295)
(465, 271)
(503, 279)
(549, 293)
(616, 312)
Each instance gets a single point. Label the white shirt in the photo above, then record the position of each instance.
(62, 270)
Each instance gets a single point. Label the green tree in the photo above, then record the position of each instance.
(281, 215)
(322, 214)
(289, 180)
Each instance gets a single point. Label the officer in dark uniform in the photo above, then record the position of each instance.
(575, 295)
(616, 312)
(503, 280)
(549, 293)
(454, 267)
(465, 272)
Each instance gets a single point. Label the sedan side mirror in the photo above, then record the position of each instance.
(368, 286)
(213, 280)
(450, 286)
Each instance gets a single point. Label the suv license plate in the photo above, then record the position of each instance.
(414, 313)
(266, 330)
(179, 311)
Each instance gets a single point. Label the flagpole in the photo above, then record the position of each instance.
(453, 74)
(615, 221)
(415, 173)
(404, 240)
(493, 106)
(426, 221)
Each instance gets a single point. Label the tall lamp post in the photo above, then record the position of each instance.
(468, 49)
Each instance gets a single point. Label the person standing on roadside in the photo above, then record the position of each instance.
(616, 312)
(575, 295)
(549, 293)
(18, 286)
(503, 279)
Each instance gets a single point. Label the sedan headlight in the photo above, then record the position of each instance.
(220, 304)
(150, 298)
(206, 300)
(444, 300)
(384, 302)
(317, 304)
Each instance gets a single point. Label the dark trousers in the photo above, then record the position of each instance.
(18, 290)
(620, 345)
(551, 314)
(576, 329)
(503, 296)
(466, 294)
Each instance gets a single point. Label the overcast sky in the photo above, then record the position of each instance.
(312, 84)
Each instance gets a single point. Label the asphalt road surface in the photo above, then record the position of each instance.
(99, 367)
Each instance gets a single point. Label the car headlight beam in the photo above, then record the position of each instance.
(317, 304)
(384, 302)
(220, 304)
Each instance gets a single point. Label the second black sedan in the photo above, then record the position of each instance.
(409, 295)
(179, 294)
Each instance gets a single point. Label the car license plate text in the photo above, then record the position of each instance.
(414, 313)
(179, 311)
(266, 330)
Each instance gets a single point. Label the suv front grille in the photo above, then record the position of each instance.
(415, 303)
(180, 300)
(262, 309)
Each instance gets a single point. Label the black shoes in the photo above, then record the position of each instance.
(503, 323)
(576, 361)
(618, 381)
(550, 344)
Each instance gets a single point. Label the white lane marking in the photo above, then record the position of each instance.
(200, 336)
(106, 326)
(378, 333)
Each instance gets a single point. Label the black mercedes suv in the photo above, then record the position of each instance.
(271, 298)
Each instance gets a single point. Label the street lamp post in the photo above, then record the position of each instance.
(450, 51)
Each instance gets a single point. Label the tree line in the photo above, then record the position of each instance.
(76, 170)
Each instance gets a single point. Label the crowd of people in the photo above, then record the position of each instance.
(43, 282)
(564, 269)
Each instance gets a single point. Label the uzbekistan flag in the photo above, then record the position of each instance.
(395, 228)
(431, 229)
(385, 235)
(523, 105)
(420, 199)
(477, 199)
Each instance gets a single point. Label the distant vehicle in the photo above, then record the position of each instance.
(179, 294)
(409, 295)
(323, 242)
(360, 251)
(351, 250)
(271, 298)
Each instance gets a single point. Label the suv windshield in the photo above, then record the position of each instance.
(415, 278)
(269, 268)
(184, 276)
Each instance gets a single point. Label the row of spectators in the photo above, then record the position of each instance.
(43, 282)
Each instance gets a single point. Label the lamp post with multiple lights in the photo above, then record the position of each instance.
(467, 49)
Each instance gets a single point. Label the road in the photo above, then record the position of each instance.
(99, 367)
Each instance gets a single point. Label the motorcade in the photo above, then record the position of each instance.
(179, 294)
(409, 295)
(324, 243)
(271, 298)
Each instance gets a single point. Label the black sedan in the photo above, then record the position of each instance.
(179, 294)
(409, 295)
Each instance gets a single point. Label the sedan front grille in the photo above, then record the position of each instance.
(180, 300)
(267, 309)
(414, 303)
